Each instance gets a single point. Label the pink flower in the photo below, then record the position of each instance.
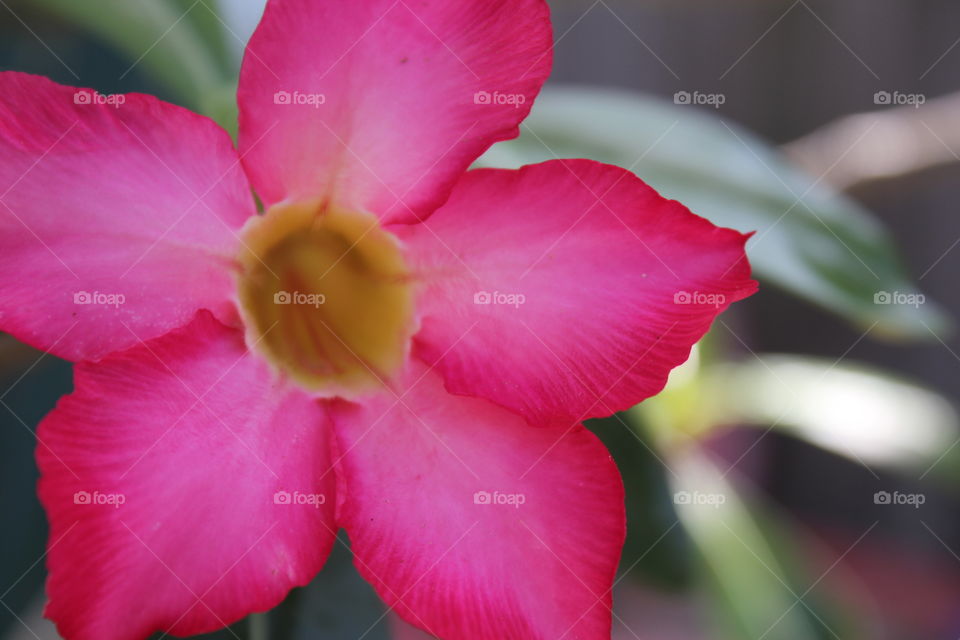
(398, 346)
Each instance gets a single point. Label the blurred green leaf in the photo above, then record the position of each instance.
(651, 553)
(810, 240)
(220, 105)
(205, 18)
(755, 589)
(30, 384)
(158, 35)
(853, 410)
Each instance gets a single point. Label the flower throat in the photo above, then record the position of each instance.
(326, 297)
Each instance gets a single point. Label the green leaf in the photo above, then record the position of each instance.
(866, 415)
(30, 384)
(650, 553)
(205, 17)
(810, 240)
(749, 569)
(158, 35)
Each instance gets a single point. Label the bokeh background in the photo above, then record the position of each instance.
(799, 477)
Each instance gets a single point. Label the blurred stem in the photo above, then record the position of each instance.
(749, 567)
(259, 626)
(877, 145)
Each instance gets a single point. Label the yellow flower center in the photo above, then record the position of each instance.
(326, 298)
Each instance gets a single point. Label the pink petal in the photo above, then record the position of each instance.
(117, 221)
(195, 438)
(536, 562)
(581, 266)
(371, 105)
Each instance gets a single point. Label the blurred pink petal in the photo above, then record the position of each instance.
(160, 476)
(569, 289)
(189, 480)
(471, 523)
(381, 105)
(117, 221)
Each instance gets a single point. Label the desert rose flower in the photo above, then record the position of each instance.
(396, 346)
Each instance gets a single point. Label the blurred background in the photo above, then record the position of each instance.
(799, 477)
